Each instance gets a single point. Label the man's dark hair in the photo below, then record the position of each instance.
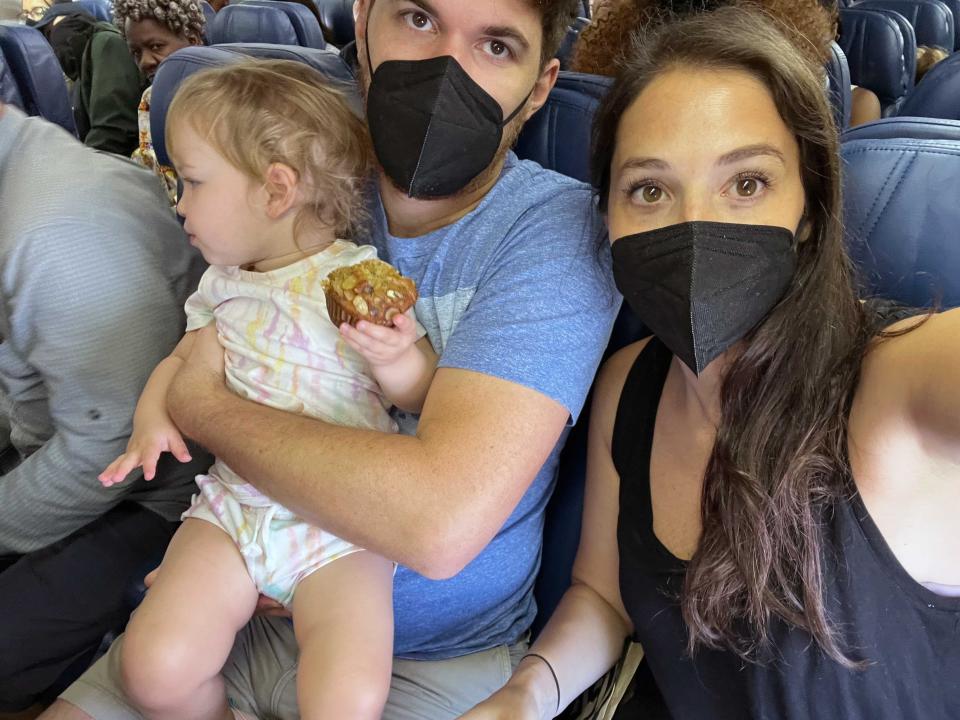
(557, 15)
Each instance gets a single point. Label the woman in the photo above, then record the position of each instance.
(772, 480)
(154, 29)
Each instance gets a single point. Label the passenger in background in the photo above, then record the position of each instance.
(153, 29)
(772, 480)
(106, 82)
(94, 270)
(927, 57)
(517, 299)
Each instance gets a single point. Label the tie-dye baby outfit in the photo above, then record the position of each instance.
(282, 350)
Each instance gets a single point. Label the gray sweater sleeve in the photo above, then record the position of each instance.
(92, 318)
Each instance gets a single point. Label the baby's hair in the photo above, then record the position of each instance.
(258, 112)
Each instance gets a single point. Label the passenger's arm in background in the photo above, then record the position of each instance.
(115, 90)
(94, 319)
(517, 365)
(584, 637)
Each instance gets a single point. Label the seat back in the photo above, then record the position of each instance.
(558, 136)
(246, 23)
(838, 85)
(954, 6)
(37, 73)
(932, 20)
(336, 17)
(938, 94)
(900, 209)
(569, 44)
(880, 57)
(208, 15)
(304, 22)
(100, 9)
(184, 63)
(9, 91)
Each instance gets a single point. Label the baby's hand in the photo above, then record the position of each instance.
(143, 450)
(380, 345)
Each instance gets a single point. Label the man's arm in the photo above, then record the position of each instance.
(431, 501)
(95, 318)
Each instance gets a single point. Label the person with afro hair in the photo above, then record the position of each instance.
(153, 30)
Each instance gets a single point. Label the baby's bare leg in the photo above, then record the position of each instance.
(343, 618)
(179, 638)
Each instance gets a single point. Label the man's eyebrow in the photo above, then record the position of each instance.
(506, 32)
(751, 151)
(422, 4)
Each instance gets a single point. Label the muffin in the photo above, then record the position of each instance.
(371, 290)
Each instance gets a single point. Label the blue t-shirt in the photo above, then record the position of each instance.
(521, 289)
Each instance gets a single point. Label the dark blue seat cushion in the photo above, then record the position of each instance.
(38, 75)
(932, 20)
(938, 94)
(9, 91)
(246, 23)
(880, 57)
(838, 84)
(901, 211)
(304, 22)
(336, 17)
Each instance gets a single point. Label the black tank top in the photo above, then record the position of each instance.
(909, 634)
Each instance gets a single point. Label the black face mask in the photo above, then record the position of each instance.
(434, 129)
(702, 286)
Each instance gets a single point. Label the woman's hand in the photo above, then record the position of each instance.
(509, 703)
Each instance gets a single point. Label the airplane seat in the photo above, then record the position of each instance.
(954, 6)
(932, 20)
(336, 17)
(304, 23)
(209, 14)
(569, 45)
(37, 73)
(9, 92)
(187, 61)
(881, 53)
(558, 136)
(100, 9)
(900, 209)
(838, 86)
(938, 94)
(246, 23)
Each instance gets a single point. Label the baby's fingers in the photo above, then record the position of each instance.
(119, 469)
(149, 462)
(179, 448)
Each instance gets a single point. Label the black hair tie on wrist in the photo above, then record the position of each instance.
(552, 672)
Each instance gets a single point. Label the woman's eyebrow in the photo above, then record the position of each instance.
(750, 151)
(644, 163)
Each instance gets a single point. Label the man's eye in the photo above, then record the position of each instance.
(497, 49)
(418, 20)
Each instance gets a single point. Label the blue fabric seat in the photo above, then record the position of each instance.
(558, 136)
(34, 67)
(932, 20)
(208, 15)
(247, 23)
(901, 212)
(97, 9)
(938, 94)
(304, 23)
(838, 85)
(9, 91)
(336, 17)
(184, 63)
(881, 53)
(954, 6)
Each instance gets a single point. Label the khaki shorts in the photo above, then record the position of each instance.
(261, 679)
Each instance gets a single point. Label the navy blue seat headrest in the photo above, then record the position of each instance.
(932, 21)
(38, 75)
(209, 14)
(880, 56)
(246, 23)
(938, 94)
(838, 85)
(336, 17)
(900, 209)
(558, 136)
(954, 6)
(9, 91)
(183, 63)
(97, 9)
(304, 22)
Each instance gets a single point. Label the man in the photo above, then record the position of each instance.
(93, 273)
(518, 300)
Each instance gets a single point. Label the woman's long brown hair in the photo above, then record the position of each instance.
(779, 462)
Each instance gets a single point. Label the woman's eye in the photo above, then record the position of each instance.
(418, 20)
(747, 187)
(651, 193)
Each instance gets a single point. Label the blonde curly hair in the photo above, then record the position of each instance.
(181, 17)
(810, 25)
